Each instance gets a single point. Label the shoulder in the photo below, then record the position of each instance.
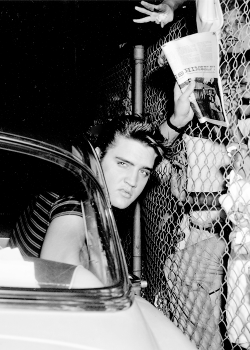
(66, 205)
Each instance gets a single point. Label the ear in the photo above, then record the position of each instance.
(98, 151)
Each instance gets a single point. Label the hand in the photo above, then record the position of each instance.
(240, 158)
(240, 244)
(183, 113)
(162, 60)
(160, 14)
(240, 214)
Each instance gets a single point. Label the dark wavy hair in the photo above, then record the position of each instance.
(135, 127)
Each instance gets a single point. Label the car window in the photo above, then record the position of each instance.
(34, 192)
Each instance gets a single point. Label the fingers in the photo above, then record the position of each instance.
(162, 59)
(186, 94)
(163, 23)
(148, 6)
(177, 92)
(142, 10)
(160, 14)
(143, 20)
(159, 8)
(151, 7)
(189, 90)
(235, 146)
(232, 146)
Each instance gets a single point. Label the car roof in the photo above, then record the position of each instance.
(58, 137)
(61, 142)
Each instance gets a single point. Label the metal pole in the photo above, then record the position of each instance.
(137, 241)
(137, 109)
(138, 79)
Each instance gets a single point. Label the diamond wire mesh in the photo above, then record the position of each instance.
(114, 100)
(114, 94)
(194, 275)
(235, 72)
(117, 88)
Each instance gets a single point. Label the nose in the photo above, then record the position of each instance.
(132, 178)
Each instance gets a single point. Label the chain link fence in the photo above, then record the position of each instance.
(113, 100)
(196, 252)
(114, 95)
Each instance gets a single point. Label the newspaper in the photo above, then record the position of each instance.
(197, 57)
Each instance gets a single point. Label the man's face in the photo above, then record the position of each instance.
(126, 167)
(236, 32)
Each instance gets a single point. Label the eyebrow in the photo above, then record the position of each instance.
(128, 162)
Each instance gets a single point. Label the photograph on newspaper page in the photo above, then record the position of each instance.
(197, 57)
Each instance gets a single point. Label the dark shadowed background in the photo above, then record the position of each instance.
(53, 54)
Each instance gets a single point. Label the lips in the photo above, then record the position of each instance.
(125, 193)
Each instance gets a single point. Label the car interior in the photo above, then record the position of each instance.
(24, 176)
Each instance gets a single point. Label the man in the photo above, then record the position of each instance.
(128, 152)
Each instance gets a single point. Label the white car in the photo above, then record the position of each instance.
(42, 304)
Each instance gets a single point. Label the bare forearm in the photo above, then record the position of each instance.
(169, 134)
(183, 113)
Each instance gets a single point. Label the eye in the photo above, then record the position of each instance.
(145, 172)
(122, 164)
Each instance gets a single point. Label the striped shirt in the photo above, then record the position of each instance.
(32, 225)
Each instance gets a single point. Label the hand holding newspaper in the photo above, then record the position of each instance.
(197, 57)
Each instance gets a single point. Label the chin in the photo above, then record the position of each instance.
(121, 204)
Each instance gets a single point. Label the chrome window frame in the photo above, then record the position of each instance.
(113, 298)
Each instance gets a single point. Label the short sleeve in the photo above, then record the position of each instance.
(67, 205)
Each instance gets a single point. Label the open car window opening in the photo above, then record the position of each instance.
(55, 231)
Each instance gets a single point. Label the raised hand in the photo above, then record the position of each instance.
(160, 14)
(183, 113)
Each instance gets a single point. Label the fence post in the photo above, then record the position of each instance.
(137, 106)
(138, 79)
(137, 241)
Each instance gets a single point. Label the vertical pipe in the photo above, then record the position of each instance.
(138, 79)
(137, 109)
(137, 242)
